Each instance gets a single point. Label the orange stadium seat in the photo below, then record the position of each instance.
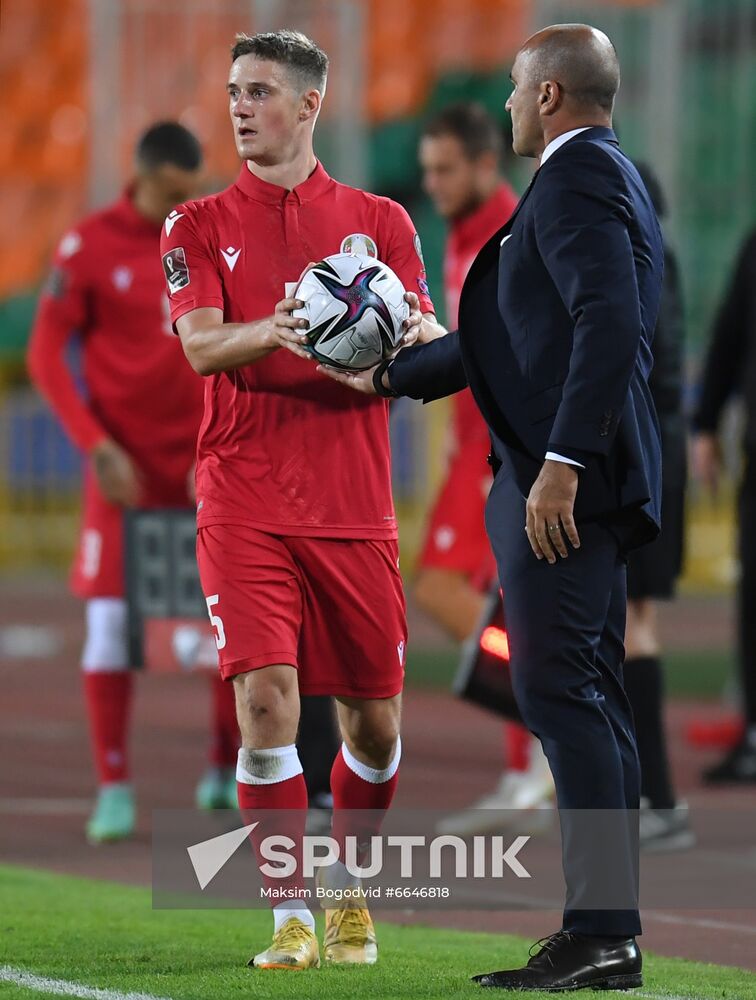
(398, 76)
(42, 162)
(409, 45)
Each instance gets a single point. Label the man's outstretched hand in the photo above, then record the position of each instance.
(361, 381)
(549, 511)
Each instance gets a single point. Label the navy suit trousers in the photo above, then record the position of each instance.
(566, 627)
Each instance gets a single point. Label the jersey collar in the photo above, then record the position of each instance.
(130, 217)
(259, 190)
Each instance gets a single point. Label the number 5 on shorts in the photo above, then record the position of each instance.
(216, 621)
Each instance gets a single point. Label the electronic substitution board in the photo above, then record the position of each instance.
(169, 627)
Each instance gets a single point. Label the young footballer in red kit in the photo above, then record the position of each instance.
(297, 535)
(137, 423)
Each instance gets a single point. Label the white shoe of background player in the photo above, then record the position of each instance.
(522, 799)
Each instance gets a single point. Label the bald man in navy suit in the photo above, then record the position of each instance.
(555, 326)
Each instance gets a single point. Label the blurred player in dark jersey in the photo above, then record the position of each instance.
(459, 154)
(652, 571)
(137, 423)
(296, 543)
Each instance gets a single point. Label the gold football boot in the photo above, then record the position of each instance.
(294, 947)
(350, 936)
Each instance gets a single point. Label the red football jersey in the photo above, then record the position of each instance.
(107, 286)
(456, 535)
(466, 237)
(283, 448)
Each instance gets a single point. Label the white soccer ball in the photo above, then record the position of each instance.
(355, 307)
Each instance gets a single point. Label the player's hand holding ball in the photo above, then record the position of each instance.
(413, 323)
(288, 330)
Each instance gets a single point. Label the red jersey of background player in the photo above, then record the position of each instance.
(466, 236)
(456, 537)
(281, 448)
(106, 288)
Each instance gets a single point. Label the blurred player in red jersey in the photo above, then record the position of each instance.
(137, 424)
(459, 155)
(296, 528)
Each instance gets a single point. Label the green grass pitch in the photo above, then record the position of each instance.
(106, 935)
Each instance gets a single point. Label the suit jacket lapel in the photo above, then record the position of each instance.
(507, 227)
(491, 248)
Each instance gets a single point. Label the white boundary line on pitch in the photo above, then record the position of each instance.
(659, 996)
(63, 987)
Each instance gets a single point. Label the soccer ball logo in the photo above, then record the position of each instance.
(355, 307)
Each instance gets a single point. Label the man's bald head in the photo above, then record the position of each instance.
(579, 58)
(565, 77)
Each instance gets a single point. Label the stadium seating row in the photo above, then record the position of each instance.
(44, 156)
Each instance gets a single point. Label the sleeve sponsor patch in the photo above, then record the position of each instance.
(176, 269)
(422, 284)
(419, 249)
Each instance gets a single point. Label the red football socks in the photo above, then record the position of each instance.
(356, 786)
(289, 794)
(517, 741)
(108, 696)
(224, 735)
(257, 799)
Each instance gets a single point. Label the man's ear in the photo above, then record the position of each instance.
(549, 97)
(311, 101)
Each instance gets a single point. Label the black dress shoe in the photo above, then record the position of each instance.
(739, 766)
(568, 961)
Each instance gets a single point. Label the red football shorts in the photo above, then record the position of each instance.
(97, 569)
(456, 534)
(332, 608)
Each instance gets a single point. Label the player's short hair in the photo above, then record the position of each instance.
(305, 60)
(468, 122)
(168, 142)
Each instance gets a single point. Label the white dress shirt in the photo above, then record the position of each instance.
(550, 149)
(560, 140)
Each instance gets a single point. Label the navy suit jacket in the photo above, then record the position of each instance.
(555, 325)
